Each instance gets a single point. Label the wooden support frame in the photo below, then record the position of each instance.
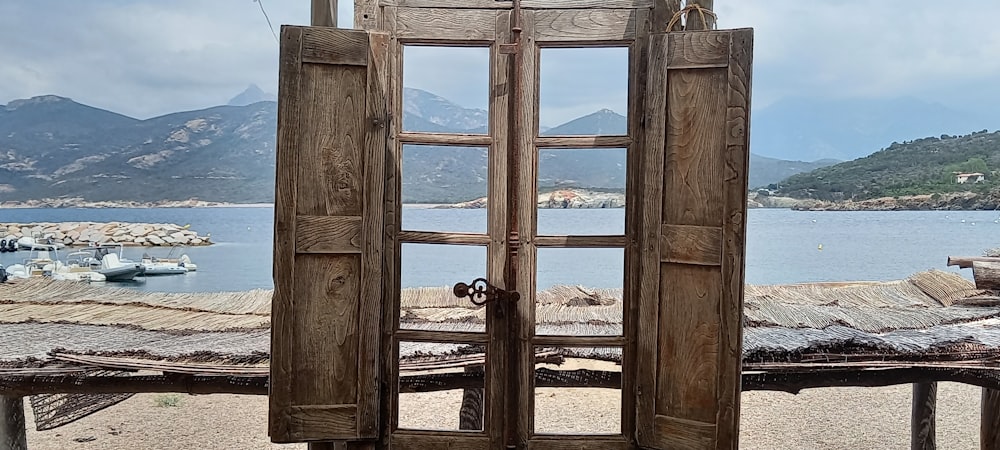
(923, 421)
(13, 435)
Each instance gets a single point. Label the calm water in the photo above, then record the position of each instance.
(783, 246)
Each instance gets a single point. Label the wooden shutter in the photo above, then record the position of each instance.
(325, 322)
(693, 232)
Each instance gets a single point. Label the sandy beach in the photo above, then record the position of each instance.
(827, 418)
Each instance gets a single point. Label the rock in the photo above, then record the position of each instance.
(154, 239)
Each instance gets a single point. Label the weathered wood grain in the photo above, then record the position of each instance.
(428, 24)
(582, 341)
(986, 274)
(373, 233)
(965, 262)
(578, 25)
(703, 20)
(652, 160)
(989, 430)
(440, 440)
(689, 50)
(456, 337)
(577, 442)
(674, 432)
(323, 13)
(436, 237)
(13, 435)
(735, 182)
(581, 241)
(322, 422)
(328, 46)
(445, 139)
(525, 4)
(923, 422)
(663, 11)
(583, 142)
(328, 234)
(366, 15)
(286, 162)
(691, 244)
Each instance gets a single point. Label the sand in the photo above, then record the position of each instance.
(827, 418)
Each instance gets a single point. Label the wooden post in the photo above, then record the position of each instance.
(324, 13)
(986, 274)
(694, 19)
(989, 432)
(471, 414)
(12, 433)
(922, 420)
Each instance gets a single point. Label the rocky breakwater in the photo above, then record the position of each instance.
(561, 199)
(88, 233)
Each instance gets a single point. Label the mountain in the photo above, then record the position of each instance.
(54, 147)
(252, 94)
(765, 171)
(813, 129)
(922, 166)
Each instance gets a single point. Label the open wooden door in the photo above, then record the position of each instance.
(689, 339)
(326, 311)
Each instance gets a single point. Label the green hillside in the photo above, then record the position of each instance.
(923, 166)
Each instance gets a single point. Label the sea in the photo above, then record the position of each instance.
(783, 246)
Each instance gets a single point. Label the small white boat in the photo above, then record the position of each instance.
(77, 269)
(39, 263)
(29, 242)
(169, 265)
(113, 265)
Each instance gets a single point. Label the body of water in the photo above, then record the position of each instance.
(783, 246)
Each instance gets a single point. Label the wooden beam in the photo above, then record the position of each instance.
(922, 419)
(986, 274)
(989, 432)
(12, 433)
(700, 21)
(324, 13)
(965, 262)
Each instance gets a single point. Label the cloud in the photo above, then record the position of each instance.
(146, 57)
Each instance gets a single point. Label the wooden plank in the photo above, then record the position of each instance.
(694, 160)
(429, 24)
(735, 182)
(498, 322)
(445, 139)
(690, 50)
(922, 417)
(965, 262)
(638, 59)
(328, 46)
(571, 442)
(663, 11)
(989, 431)
(580, 341)
(366, 15)
(687, 365)
(687, 434)
(391, 304)
(323, 13)
(579, 241)
(13, 435)
(582, 25)
(525, 4)
(583, 142)
(373, 235)
(986, 274)
(328, 234)
(455, 337)
(443, 440)
(330, 177)
(322, 422)
(691, 244)
(326, 304)
(434, 237)
(520, 388)
(286, 161)
(652, 157)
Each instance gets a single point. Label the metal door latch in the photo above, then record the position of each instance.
(481, 292)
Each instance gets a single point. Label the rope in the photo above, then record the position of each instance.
(691, 7)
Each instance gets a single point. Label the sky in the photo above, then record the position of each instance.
(145, 58)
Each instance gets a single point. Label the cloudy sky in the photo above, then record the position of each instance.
(145, 58)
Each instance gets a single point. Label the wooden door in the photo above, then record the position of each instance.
(340, 234)
(328, 238)
(693, 233)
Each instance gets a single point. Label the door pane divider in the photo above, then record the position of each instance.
(579, 341)
(436, 237)
(450, 337)
(583, 142)
(580, 241)
(450, 139)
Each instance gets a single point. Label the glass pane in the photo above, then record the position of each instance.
(428, 274)
(579, 392)
(583, 91)
(444, 188)
(436, 392)
(579, 291)
(591, 182)
(446, 89)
